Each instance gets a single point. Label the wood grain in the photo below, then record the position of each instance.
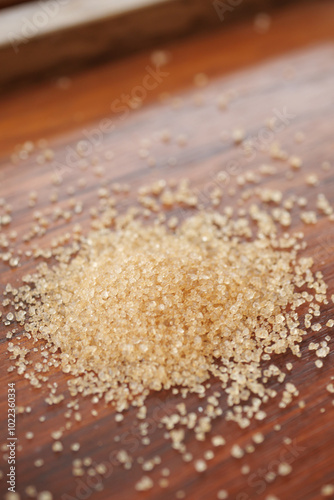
(62, 36)
(290, 67)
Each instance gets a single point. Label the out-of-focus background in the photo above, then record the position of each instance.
(51, 36)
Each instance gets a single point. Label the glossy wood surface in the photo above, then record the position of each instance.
(290, 68)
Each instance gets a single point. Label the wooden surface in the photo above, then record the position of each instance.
(289, 67)
(60, 36)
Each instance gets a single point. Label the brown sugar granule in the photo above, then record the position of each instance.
(39, 462)
(238, 135)
(327, 490)
(309, 217)
(284, 469)
(236, 451)
(144, 484)
(75, 446)
(12, 496)
(222, 495)
(295, 162)
(245, 469)
(200, 465)
(44, 495)
(330, 388)
(180, 494)
(258, 438)
(312, 180)
(31, 491)
(57, 446)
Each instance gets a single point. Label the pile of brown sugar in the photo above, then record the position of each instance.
(141, 307)
(148, 300)
(178, 292)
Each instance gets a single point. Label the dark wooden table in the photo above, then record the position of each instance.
(291, 68)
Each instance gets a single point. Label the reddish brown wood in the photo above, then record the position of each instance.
(292, 67)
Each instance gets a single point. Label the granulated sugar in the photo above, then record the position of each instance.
(141, 307)
(170, 295)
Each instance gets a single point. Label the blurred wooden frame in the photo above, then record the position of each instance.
(8, 3)
(56, 37)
